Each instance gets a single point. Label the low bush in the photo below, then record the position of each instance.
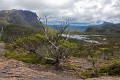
(1, 41)
(103, 70)
(114, 69)
(88, 74)
(28, 58)
(10, 47)
(48, 62)
(73, 67)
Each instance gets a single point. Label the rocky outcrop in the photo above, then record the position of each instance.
(19, 17)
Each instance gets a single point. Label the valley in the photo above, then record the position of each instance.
(32, 50)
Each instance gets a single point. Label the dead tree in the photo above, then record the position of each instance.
(54, 41)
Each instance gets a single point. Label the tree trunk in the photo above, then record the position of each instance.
(96, 70)
(57, 60)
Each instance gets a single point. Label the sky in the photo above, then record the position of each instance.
(78, 11)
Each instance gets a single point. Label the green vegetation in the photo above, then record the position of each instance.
(12, 32)
(37, 49)
(114, 69)
(48, 47)
(103, 70)
(31, 43)
(88, 74)
(105, 29)
(28, 58)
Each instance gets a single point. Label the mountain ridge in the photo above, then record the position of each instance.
(82, 26)
(19, 17)
(105, 29)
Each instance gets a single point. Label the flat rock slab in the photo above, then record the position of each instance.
(39, 78)
(3, 75)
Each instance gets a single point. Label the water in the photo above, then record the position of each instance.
(82, 37)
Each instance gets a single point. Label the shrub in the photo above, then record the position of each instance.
(114, 69)
(103, 70)
(73, 67)
(1, 41)
(10, 47)
(88, 74)
(28, 58)
(48, 62)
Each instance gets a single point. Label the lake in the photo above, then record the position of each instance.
(82, 37)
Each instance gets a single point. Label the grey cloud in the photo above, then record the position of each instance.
(78, 10)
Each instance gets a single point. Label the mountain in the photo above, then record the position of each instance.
(19, 17)
(105, 28)
(104, 23)
(73, 26)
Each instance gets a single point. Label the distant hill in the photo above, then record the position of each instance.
(80, 26)
(105, 28)
(19, 17)
(71, 28)
(12, 32)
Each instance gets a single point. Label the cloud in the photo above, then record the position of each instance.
(87, 11)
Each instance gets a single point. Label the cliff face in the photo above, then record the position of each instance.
(19, 17)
